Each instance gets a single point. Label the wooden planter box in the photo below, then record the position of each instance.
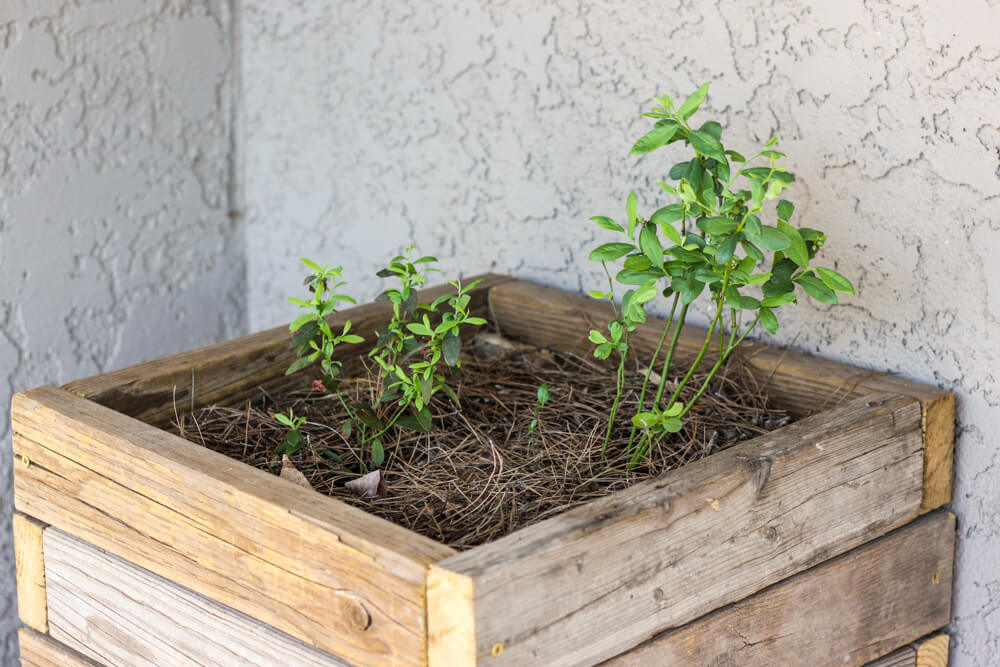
(813, 544)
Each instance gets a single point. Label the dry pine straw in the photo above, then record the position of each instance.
(479, 475)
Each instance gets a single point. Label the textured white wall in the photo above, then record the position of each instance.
(487, 132)
(115, 245)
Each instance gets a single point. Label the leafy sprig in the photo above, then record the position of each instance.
(715, 236)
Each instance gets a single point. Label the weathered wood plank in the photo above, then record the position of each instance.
(119, 614)
(846, 611)
(237, 369)
(804, 384)
(904, 657)
(38, 650)
(669, 550)
(324, 572)
(29, 561)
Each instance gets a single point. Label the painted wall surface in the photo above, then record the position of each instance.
(488, 132)
(115, 245)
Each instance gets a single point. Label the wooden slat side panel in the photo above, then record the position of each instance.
(120, 614)
(234, 370)
(329, 574)
(29, 561)
(904, 657)
(38, 650)
(849, 610)
(451, 631)
(669, 550)
(804, 384)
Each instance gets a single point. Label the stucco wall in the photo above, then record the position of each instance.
(488, 132)
(115, 245)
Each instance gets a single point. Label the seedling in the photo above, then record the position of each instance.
(408, 353)
(541, 398)
(715, 236)
(293, 438)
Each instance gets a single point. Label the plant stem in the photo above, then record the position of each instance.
(718, 364)
(670, 354)
(620, 388)
(649, 369)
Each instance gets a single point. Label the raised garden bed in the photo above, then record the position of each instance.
(799, 545)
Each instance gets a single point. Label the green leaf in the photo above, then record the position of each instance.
(712, 128)
(311, 264)
(679, 170)
(351, 338)
(689, 288)
(785, 209)
(759, 278)
(660, 135)
(630, 206)
(706, 145)
(638, 263)
(693, 101)
(301, 320)
(778, 300)
(671, 424)
(646, 292)
(542, 394)
(424, 419)
(752, 251)
(298, 365)
(748, 302)
(717, 226)
(378, 452)
(772, 238)
(769, 321)
(667, 214)
(646, 420)
(726, 250)
(420, 329)
(605, 222)
(834, 280)
(772, 141)
(815, 288)
(796, 250)
(674, 409)
(649, 243)
(596, 337)
(627, 277)
(610, 251)
(410, 423)
(451, 347)
(685, 255)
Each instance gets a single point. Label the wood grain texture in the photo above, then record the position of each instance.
(29, 561)
(803, 383)
(660, 554)
(329, 574)
(904, 657)
(847, 611)
(119, 614)
(237, 369)
(451, 619)
(38, 650)
(933, 652)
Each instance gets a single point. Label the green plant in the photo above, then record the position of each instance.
(541, 398)
(408, 353)
(293, 438)
(722, 243)
(312, 337)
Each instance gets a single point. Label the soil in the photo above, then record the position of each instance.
(480, 473)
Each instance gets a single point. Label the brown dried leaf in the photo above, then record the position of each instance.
(368, 486)
(293, 474)
(494, 346)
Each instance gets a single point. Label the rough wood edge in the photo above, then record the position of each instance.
(938, 425)
(117, 612)
(56, 424)
(40, 650)
(32, 602)
(894, 617)
(451, 619)
(232, 370)
(933, 652)
(561, 541)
